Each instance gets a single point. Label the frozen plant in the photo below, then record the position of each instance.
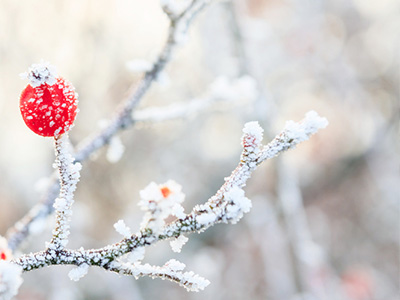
(49, 107)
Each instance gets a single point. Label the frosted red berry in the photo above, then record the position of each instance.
(3, 255)
(48, 104)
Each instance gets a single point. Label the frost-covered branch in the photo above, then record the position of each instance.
(162, 201)
(122, 118)
(69, 177)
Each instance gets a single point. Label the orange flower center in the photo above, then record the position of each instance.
(165, 192)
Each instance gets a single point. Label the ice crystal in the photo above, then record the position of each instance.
(41, 73)
(122, 229)
(78, 272)
(178, 243)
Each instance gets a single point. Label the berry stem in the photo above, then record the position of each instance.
(68, 177)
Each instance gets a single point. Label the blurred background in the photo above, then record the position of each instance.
(325, 222)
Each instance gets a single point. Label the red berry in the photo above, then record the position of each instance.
(49, 110)
(3, 255)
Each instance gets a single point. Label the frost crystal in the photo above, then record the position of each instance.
(238, 204)
(10, 279)
(78, 272)
(41, 73)
(178, 243)
(122, 229)
(299, 132)
(175, 265)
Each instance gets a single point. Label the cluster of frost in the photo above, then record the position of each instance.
(178, 243)
(77, 273)
(234, 205)
(41, 73)
(237, 204)
(160, 202)
(137, 254)
(299, 132)
(172, 270)
(10, 279)
(122, 229)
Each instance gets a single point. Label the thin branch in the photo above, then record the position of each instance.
(69, 177)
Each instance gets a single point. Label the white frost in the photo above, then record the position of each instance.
(122, 229)
(41, 73)
(299, 132)
(137, 254)
(254, 129)
(115, 150)
(178, 243)
(78, 272)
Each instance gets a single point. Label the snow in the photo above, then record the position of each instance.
(10, 279)
(41, 73)
(178, 243)
(122, 229)
(78, 272)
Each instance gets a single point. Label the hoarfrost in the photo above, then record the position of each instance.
(178, 243)
(78, 272)
(122, 229)
(41, 73)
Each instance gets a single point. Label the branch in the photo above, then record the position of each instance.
(69, 177)
(227, 205)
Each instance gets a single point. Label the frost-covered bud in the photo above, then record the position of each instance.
(251, 141)
(49, 103)
(160, 202)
